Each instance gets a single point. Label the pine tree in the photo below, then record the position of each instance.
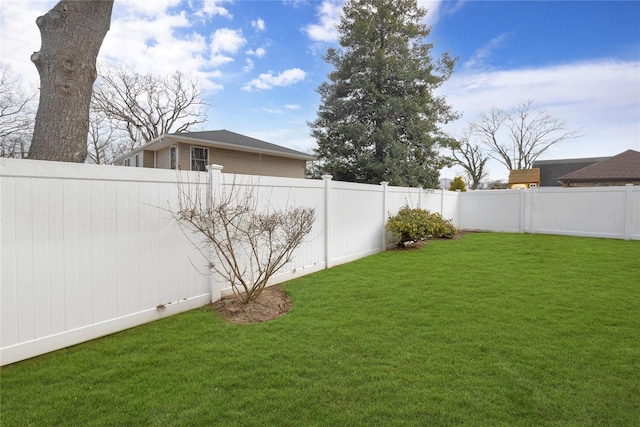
(379, 119)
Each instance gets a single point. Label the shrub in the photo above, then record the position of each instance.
(458, 184)
(419, 224)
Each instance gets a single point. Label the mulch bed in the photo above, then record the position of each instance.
(272, 303)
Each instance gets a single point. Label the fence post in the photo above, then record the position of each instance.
(327, 219)
(384, 214)
(522, 207)
(534, 209)
(214, 176)
(442, 202)
(628, 207)
(419, 197)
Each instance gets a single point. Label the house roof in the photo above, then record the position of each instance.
(550, 170)
(221, 139)
(623, 167)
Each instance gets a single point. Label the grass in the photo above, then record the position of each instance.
(491, 329)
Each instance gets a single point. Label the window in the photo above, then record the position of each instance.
(126, 162)
(173, 157)
(137, 160)
(199, 159)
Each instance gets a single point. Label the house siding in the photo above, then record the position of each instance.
(240, 162)
(163, 160)
(148, 159)
(233, 161)
(184, 157)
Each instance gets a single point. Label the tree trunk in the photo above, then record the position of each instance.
(72, 33)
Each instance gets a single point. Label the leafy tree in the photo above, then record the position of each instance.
(517, 137)
(72, 34)
(457, 184)
(379, 119)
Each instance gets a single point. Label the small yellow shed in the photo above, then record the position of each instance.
(524, 178)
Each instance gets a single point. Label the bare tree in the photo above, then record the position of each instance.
(102, 140)
(250, 244)
(517, 137)
(144, 107)
(470, 156)
(16, 114)
(72, 33)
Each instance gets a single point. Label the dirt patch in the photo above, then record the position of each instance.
(272, 303)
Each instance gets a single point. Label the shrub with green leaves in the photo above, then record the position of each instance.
(419, 224)
(458, 184)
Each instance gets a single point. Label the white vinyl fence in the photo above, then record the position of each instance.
(89, 250)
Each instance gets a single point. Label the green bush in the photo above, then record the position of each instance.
(458, 184)
(419, 224)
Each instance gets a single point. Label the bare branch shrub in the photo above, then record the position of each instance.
(249, 245)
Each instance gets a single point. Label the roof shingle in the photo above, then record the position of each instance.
(625, 166)
(228, 137)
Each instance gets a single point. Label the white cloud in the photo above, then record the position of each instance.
(142, 36)
(292, 106)
(258, 24)
(248, 65)
(479, 59)
(211, 8)
(227, 40)
(272, 110)
(154, 9)
(268, 80)
(600, 97)
(438, 8)
(329, 13)
(259, 52)
(19, 35)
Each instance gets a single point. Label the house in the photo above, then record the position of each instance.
(551, 170)
(235, 152)
(617, 170)
(524, 178)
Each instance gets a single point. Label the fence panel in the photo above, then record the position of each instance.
(490, 210)
(84, 245)
(355, 221)
(89, 250)
(588, 211)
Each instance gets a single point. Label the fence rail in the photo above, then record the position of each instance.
(89, 250)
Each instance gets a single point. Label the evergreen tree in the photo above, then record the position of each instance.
(379, 119)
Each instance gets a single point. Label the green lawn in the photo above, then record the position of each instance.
(488, 330)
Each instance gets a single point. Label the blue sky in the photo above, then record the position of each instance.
(260, 62)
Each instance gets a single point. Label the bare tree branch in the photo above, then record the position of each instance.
(144, 107)
(471, 158)
(516, 138)
(17, 114)
(250, 244)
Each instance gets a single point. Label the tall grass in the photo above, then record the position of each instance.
(491, 329)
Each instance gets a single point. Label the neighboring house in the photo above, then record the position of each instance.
(617, 170)
(524, 178)
(445, 183)
(236, 153)
(551, 170)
